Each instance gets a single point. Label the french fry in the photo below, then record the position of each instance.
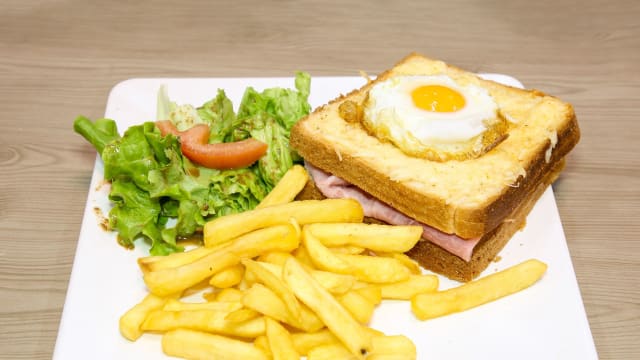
(174, 280)
(357, 305)
(394, 347)
(478, 292)
(407, 289)
(322, 257)
(265, 301)
(244, 283)
(274, 257)
(155, 263)
(262, 343)
(228, 277)
(242, 315)
(331, 352)
(328, 309)
(229, 294)
(296, 225)
(376, 237)
(310, 321)
(334, 283)
(276, 285)
(399, 356)
(195, 289)
(176, 305)
(212, 321)
(372, 293)
(228, 227)
(411, 264)
(283, 237)
(305, 341)
(280, 341)
(192, 344)
(390, 344)
(291, 183)
(375, 269)
(366, 268)
(302, 255)
(210, 296)
(132, 320)
(347, 249)
(145, 262)
(373, 332)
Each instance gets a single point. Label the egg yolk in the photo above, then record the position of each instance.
(437, 98)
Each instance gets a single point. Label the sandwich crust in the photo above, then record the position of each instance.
(436, 259)
(468, 198)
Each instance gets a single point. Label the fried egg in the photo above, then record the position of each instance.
(434, 117)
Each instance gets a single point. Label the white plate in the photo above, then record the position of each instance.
(545, 321)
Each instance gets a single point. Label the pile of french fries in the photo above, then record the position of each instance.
(297, 278)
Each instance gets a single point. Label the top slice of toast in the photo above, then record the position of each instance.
(467, 198)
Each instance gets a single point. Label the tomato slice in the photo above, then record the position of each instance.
(167, 127)
(194, 144)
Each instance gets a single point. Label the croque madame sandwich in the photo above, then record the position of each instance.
(428, 143)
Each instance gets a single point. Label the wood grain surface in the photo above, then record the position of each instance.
(60, 58)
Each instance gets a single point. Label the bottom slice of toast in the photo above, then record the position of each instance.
(434, 258)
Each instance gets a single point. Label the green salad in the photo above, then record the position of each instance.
(153, 182)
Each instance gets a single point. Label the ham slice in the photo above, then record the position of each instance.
(334, 187)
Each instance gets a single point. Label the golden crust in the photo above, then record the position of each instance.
(427, 190)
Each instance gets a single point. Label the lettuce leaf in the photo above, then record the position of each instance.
(219, 115)
(183, 116)
(98, 133)
(286, 106)
(135, 214)
(269, 116)
(128, 163)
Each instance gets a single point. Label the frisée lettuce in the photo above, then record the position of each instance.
(160, 195)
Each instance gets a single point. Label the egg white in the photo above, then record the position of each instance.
(390, 113)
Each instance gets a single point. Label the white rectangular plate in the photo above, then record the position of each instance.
(545, 321)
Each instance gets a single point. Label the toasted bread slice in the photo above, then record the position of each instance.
(468, 198)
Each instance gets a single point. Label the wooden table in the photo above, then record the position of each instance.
(59, 59)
